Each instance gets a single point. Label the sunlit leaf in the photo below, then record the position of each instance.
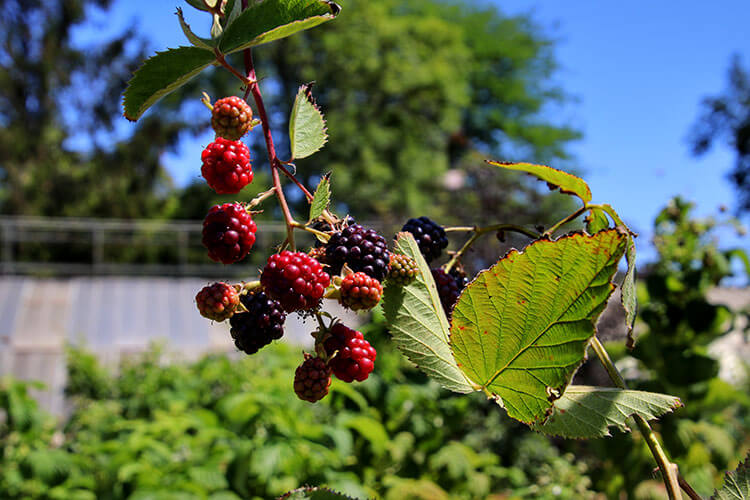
(596, 221)
(161, 74)
(203, 43)
(275, 19)
(628, 292)
(307, 128)
(589, 412)
(418, 324)
(521, 328)
(736, 484)
(567, 183)
(321, 198)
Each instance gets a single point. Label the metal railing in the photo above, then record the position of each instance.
(62, 246)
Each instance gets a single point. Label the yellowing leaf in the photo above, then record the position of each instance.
(568, 183)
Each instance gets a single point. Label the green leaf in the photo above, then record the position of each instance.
(321, 198)
(567, 183)
(521, 328)
(203, 43)
(736, 484)
(314, 493)
(418, 324)
(307, 128)
(234, 9)
(198, 4)
(628, 292)
(162, 74)
(588, 412)
(596, 221)
(275, 19)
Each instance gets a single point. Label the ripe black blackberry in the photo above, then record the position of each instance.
(362, 250)
(262, 323)
(430, 237)
(448, 290)
(312, 379)
(325, 227)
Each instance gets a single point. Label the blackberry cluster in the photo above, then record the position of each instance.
(228, 232)
(362, 250)
(296, 280)
(262, 323)
(448, 290)
(402, 270)
(226, 166)
(217, 301)
(354, 357)
(312, 379)
(360, 292)
(231, 117)
(430, 237)
(325, 227)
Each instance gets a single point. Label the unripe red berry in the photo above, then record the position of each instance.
(226, 166)
(312, 379)
(354, 357)
(228, 232)
(360, 292)
(231, 118)
(295, 279)
(217, 301)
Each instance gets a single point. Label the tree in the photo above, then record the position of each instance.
(411, 89)
(726, 117)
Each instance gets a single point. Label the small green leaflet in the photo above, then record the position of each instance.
(568, 183)
(736, 484)
(307, 128)
(272, 20)
(596, 221)
(321, 198)
(203, 43)
(521, 328)
(161, 74)
(585, 412)
(628, 292)
(314, 493)
(418, 324)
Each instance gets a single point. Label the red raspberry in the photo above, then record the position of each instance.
(359, 291)
(312, 379)
(228, 232)
(231, 118)
(355, 358)
(217, 301)
(226, 166)
(296, 280)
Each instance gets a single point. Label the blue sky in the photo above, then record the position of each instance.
(638, 69)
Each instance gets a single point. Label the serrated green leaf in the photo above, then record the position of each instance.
(418, 324)
(321, 198)
(203, 43)
(628, 292)
(736, 484)
(585, 412)
(521, 328)
(567, 183)
(314, 493)
(596, 221)
(275, 19)
(161, 74)
(307, 128)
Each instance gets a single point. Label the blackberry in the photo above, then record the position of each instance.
(226, 166)
(217, 301)
(360, 292)
(430, 237)
(448, 290)
(402, 270)
(325, 227)
(353, 357)
(228, 232)
(296, 280)
(262, 323)
(312, 379)
(231, 118)
(362, 250)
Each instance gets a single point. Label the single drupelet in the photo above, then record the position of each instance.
(226, 166)
(362, 250)
(295, 279)
(228, 232)
(360, 292)
(217, 301)
(260, 325)
(402, 270)
(231, 118)
(352, 357)
(312, 379)
(430, 237)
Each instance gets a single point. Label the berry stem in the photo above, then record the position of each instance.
(479, 232)
(567, 219)
(262, 196)
(320, 234)
(669, 471)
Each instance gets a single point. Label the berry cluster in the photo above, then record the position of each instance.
(231, 118)
(228, 232)
(448, 288)
(217, 301)
(295, 279)
(312, 379)
(351, 356)
(262, 323)
(402, 270)
(430, 237)
(359, 249)
(226, 166)
(360, 292)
